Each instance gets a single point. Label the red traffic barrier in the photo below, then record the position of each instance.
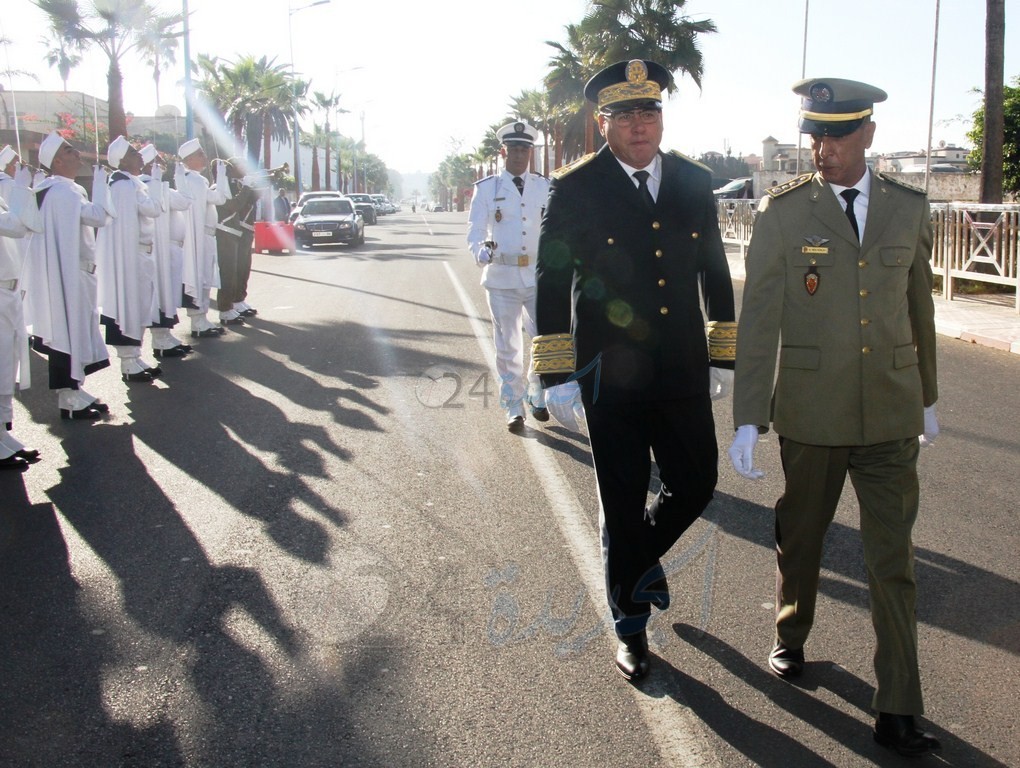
(274, 236)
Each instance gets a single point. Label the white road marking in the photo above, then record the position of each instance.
(676, 734)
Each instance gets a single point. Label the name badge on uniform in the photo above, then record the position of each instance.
(815, 245)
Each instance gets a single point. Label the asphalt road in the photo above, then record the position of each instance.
(313, 543)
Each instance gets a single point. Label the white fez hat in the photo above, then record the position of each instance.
(116, 151)
(190, 147)
(6, 155)
(149, 153)
(48, 148)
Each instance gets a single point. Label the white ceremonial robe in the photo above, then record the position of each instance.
(61, 298)
(168, 243)
(201, 268)
(14, 362)
(126, 267)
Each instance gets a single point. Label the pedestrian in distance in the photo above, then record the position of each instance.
(281, 206)
(839, 280)
(504, 223)
(630, 246)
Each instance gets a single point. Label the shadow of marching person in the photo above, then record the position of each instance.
(851, 732)
(54, 654)
(197, 629)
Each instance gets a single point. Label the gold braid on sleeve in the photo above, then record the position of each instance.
(553, 353)
(722, 341)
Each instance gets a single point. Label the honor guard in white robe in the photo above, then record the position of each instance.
(17, 221)
(503, 229)
(126, 268)
(60, 278)
(201, 270)
(167, 250)
(10, 163)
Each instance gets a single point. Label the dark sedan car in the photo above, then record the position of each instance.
(365, 206)
(329, 220)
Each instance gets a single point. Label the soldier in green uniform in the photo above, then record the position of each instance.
(838, 273)
(630, 247)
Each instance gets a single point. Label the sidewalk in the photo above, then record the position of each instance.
(989, 320)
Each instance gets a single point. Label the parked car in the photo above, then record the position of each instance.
(382, 204)
(438, 209)
(324, 220)
(365, 205)
(737, 189)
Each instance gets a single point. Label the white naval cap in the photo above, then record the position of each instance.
(7, 154)
(517, 132)
(190, 147)
(48, 148)
(149, 153)
(116, 151)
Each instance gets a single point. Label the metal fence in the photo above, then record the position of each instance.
(979, 243)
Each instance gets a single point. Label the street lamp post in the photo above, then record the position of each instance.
(297, 130)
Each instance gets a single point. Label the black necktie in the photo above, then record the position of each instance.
(519, 183)
(850, 195)
(646, 195)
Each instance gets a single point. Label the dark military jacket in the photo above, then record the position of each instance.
(628, 282)
(854, 322)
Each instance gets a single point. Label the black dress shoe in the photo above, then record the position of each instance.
(177, 351)
(88, 412)
(539, 414)
(233, 321)
(786, 662)
(14, 464)
(154, 372)
(516, 424)
(632, 656)
(99, 406)
(31, 455)
(250, 312)
(898, 732)
(208, 333)
(139, 377)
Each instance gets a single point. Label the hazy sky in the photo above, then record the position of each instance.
(430, 76)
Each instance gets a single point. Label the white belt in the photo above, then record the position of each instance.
(229, 230)
(9, 285)
(145, 247)
(249, 227)
(88, 266)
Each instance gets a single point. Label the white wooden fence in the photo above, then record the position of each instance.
(973, 242)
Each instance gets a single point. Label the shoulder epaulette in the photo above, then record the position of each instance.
(485, 179)
(690, 160)
(782, 189)
(885, 177)
(569, 168)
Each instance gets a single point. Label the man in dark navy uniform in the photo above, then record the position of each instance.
(629, 237)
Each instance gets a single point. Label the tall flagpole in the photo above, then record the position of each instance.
(931, 105)
(189, 113)
(803, 74)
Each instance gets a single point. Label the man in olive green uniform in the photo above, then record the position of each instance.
(630, 247)
(838, 272)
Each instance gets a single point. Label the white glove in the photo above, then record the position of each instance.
(720, 382)
(179, 182)
(101, 191)
(222, 184)
(564, 402)
(484, 256)
(23, 176)
(742, 452)
(157, 191)
(931, 427)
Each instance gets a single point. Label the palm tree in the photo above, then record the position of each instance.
(157, 42)
(327, 104)
(994, 115)
(570, 68)
(537, 108)
(315, 139)
(488, 152)
(64, 54)
(112, 25)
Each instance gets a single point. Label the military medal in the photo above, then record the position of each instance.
(499, 215)
(816, 245)
(812, 280)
